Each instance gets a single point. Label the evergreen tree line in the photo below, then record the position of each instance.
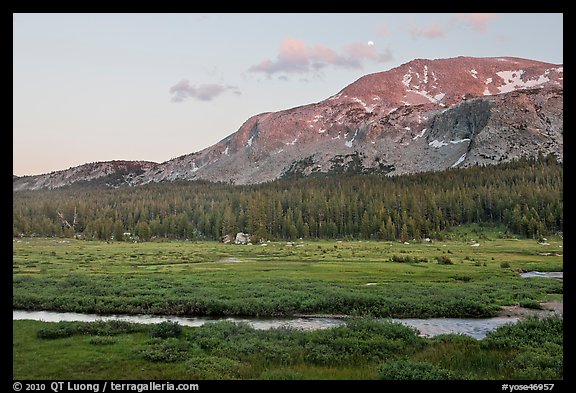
(524, 195)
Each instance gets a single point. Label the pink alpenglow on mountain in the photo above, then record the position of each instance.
(425, 115)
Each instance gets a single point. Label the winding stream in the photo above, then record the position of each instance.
(476, 328)
(542, 274)
(473, 327)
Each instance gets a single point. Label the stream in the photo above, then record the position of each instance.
(476, 328)
(430, 327)
(542, 274)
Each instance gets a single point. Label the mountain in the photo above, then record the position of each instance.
(109, 173)
(425, 115)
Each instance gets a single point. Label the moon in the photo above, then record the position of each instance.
(370, 43)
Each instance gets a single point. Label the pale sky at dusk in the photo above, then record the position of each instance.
(99, 87)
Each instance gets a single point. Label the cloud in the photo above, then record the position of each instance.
(204, 92)
(439, 29)
(361, 50)
(295, 57)
(385, 56)
(432, 31)
(358, 51)
(478, 21)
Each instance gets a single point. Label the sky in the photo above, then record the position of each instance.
(90, 87)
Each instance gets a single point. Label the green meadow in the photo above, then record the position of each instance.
(364, 349)
(450, 278)
(472, 272)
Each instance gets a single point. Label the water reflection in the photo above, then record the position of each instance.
(476, 328)
(543, 274)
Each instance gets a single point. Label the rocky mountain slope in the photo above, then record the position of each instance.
(425, 115)
(109, 173)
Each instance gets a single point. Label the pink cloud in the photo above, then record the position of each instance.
(432, 31)
(361, 50)
(325, 54)
(295, 56)
(478, 21)
(294, 51)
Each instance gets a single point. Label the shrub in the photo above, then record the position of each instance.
(212, 367)
(108, 328)
(166, 329)
(527, 334)
(322, 354)
(58, 330)
(367, 327)
(444, 260)
(370, 340)
(530, 303)
(407, 259)
(467, 307)
(211, 335)
(504, 265)
(453, 338)
(410, 370)
(537, 365)
(98, 328)
(169, 350)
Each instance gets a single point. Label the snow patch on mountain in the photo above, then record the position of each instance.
(349, 143)
(462, 157)
(460, 141)
(293, 142)
(420, 135)
(513, 81)
(445, 102)
(437, 143)
(367, 108)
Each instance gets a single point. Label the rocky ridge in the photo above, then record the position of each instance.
(109, 173)
(425, 115)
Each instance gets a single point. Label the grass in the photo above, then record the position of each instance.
(282, 279)
(364, 349)
(327, 277)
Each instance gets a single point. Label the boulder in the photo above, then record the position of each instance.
(227, 239)
(242, 238)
